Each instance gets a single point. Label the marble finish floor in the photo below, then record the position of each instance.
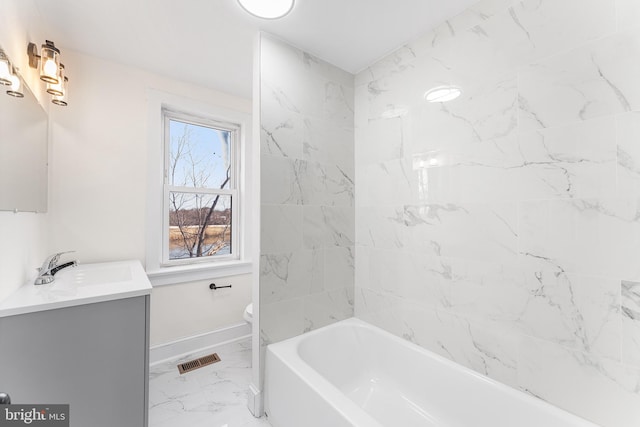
(212, 396)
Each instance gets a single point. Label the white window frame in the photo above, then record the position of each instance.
(235, 129)
(205, 268)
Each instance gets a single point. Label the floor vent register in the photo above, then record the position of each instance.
(192, 365)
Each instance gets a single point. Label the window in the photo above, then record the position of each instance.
(201, 201)
(212, 122)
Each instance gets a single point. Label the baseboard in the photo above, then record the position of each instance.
(194, 344)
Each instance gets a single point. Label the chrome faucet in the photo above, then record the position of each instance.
(50, 267)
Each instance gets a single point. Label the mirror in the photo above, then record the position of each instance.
(23, 153)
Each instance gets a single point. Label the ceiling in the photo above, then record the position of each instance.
(210, 42)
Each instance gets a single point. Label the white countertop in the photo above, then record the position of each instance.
(83, 284)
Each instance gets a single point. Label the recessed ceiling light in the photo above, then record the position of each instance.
(443, 93)
(267, 9)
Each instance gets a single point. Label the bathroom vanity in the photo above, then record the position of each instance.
(82, 340)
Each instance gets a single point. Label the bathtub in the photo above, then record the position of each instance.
(355, 374)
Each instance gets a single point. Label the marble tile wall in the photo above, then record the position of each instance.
(502, 229)
(307, 178)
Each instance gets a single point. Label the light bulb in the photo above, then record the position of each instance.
(50, 68)
(49, 63)
(16, 85)
(57, 89)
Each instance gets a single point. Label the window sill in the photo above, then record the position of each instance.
(191, 273)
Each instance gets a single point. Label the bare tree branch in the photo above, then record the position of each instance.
(192, 214)
(202, 231)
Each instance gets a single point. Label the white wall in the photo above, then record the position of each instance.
(20, 23)
(99, 183)
(97, 188)
(502, 229)
(23, 243)
(22, 248)
(192, 308)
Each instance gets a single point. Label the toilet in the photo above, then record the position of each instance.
(248, 313)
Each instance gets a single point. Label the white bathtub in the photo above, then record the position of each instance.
(354, 374)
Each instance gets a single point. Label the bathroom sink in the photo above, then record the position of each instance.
(82, 284)
(93, 274)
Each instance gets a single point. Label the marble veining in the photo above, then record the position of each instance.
(291, 274)
(588, 82)
(213, 396)
(630, 292)
(502, 229)
(308, 181)
(628, 167)
(631, 295)
(599, 389)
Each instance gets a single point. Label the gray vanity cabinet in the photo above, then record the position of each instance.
(93, 357)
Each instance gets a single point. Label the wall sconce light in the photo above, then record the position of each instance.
(52, 71)
(61, 99)
(15, 89)
(5, 69)
(9, 76)
(49, 61)
(56, 89)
